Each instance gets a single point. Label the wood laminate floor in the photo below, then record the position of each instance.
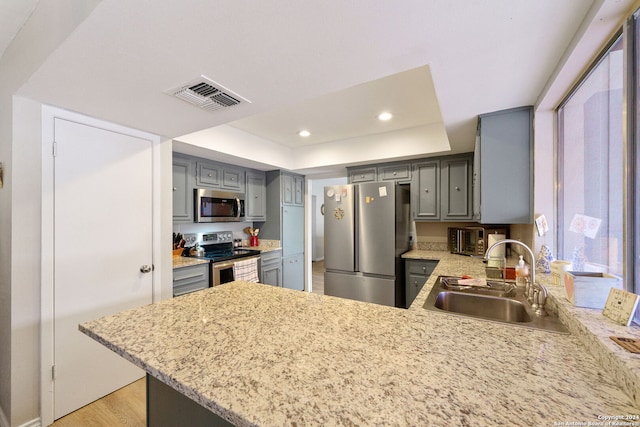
(317, 277)
(126, 407)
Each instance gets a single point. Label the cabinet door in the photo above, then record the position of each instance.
(293, 272)
(426, 190)
(292, 230)
(298, 185)
(183, 172)
(506, 167)
(271, 274)
(456, 189)
(233, 179)
(287, 189)
(208, 175)
(256, 197)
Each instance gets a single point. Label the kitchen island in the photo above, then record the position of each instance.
(259, 355)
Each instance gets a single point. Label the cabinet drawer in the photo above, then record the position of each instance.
(271, 257)
(421, 267)
(363, 175)
(190, 279)
(394, 172)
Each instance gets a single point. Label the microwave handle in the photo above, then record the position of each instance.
(238, 208)
(459, 241)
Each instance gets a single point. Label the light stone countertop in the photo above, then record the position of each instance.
(183, 261)
(588, 325)
(260, 355)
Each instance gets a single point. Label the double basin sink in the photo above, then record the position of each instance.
(499, 301)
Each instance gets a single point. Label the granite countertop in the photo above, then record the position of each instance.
(184, 261)
(260, 355)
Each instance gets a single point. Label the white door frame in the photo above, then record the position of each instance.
(47, 256)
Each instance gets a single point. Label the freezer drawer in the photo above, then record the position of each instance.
(360, 287)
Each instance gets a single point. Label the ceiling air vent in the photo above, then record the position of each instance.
(207, 94)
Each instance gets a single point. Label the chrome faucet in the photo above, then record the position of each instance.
(535, 293)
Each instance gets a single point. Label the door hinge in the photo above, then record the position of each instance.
(55, 149)
(53, 372)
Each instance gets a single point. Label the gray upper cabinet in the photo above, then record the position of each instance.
(292, 189)
(441, 189)
(395, 172)
(456, 197)
(183, 183)
(367, 174)
(256, 196)
(220, 176)
(425, 190)
(503, 180)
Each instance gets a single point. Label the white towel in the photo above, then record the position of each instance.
(246, 270)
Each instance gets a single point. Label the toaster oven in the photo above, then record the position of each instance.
(472, 241)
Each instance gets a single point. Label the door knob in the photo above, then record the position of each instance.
(145, 269)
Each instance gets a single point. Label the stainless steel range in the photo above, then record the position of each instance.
(219, 250)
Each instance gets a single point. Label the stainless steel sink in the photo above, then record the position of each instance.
(484, 306)
(506, 305)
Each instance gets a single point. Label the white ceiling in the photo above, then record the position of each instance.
(329, 66)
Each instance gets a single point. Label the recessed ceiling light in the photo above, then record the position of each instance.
(304, 133)
(385, 116)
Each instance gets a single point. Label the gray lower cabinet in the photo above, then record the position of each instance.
(271, 268)
(417, 272)
(183, 183)
(190, 279)
(503, 172)
(293, 272)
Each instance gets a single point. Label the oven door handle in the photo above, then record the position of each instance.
(222, 265)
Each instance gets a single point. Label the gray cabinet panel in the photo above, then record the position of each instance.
(189, 279)
(395, 172)
(183, 182)
(425, 190)
(292, 230)
(359, 175)
(293, 272)
(417, 273)
(233, 179)
(298, 185)
(256, 196)
(505, 177)
(287, 189)
(271, 268)
(208, 175)
(456, 189)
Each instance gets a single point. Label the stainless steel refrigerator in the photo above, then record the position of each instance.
(366, 230)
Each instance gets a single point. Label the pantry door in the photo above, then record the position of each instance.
(102, 253)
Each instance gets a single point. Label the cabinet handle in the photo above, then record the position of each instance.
(362, 176)
(395, 173)
(457, 188)
(209, 175)
(255, 197)
(426, 190)
(424, 269)
(175, 189)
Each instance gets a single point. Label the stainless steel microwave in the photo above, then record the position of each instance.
(217, 206)
(471, 241)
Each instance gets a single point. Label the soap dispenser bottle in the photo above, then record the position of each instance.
(522, 271)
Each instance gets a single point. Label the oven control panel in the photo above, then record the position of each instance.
(217, 237)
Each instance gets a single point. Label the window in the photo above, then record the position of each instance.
(591, 196)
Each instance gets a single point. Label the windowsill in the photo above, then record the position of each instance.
(594, 330)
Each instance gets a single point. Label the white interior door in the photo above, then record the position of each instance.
(102, 238)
